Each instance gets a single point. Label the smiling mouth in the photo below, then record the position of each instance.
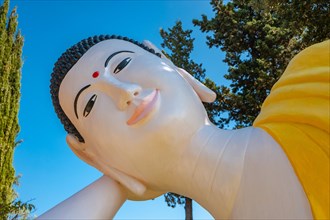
(144, 109)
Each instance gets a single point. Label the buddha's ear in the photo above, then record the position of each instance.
(131, 183)
(79, 149)
(204, 93)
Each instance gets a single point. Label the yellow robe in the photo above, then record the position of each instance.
(296, 115)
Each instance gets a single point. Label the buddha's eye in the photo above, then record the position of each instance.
(122, 65)
(89, 105)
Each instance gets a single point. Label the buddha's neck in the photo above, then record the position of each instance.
(211, 168)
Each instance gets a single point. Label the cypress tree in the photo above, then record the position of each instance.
(11, 43)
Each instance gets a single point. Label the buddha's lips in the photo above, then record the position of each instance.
(144, 108)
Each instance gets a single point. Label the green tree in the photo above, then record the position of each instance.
(179, 44)
(259, 38)
(11, 43)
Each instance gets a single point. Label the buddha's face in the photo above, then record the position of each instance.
(130, 106)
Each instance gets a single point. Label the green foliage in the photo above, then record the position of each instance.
(173, 199)
(16, 210)
(11, 43)
(259, 38)
(180, 43)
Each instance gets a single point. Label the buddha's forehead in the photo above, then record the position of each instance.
(94, 59)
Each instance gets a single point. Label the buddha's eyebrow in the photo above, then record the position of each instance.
(114, 54)
(76, 99)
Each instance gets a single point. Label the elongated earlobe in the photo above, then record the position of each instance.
(78, 149)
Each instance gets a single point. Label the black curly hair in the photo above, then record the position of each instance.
(66, 61)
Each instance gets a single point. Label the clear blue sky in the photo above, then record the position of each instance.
(50, 170)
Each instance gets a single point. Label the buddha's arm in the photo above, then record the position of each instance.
(99, 200)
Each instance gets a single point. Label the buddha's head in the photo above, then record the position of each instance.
(127, 109)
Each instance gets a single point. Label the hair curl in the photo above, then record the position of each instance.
(66, 61)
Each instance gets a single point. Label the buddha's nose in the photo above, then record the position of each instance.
(122, 93)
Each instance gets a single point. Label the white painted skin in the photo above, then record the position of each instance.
(90, 202)
(233, 174)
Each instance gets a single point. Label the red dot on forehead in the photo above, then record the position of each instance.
(96, 74)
